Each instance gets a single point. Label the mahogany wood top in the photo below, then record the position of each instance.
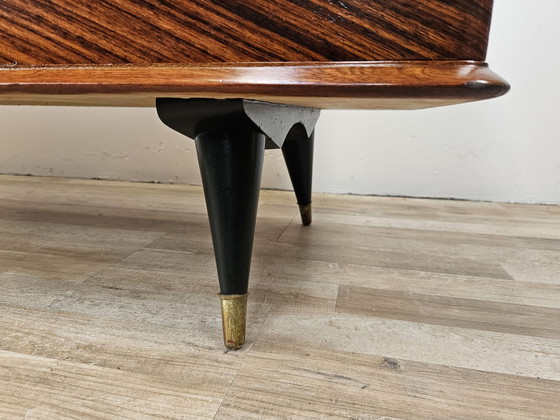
(211, 31)
(366, 85)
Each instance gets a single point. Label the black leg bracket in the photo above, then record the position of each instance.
(194, 116)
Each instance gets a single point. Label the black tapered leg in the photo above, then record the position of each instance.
(298, 154)
(230, 136)
(231, 165)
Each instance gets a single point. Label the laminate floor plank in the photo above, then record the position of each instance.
(279, 271)
(535, 266)
(468, 254)
(444, 345)
(101, 215)
(197, 310)
(38, 388)
(516, 220)
(68, 240)
(156, 350)
(68, 191)
(280, 380)
(442, 310)
(353, 247)
(50, 267)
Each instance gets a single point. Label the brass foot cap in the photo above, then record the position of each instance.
(234, 319)
(305, 211)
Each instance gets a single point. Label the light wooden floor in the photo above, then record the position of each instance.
(385, 308)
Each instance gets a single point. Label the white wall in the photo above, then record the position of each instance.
(507, 149)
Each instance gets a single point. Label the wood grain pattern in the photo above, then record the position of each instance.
(383, 247)
(69, 391)
(287, 382)
(339, 329)
(398, 85)
(202, 31)
(465, 313)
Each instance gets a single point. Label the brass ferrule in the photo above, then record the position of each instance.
(305, 211)
(234, 319)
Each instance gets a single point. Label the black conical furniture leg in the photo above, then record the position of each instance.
(231, 165)
(298, 154)
(230, 136)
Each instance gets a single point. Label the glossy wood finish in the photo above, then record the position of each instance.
(199, 31)
(374, 54)
(109, 308)
(372, 85)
